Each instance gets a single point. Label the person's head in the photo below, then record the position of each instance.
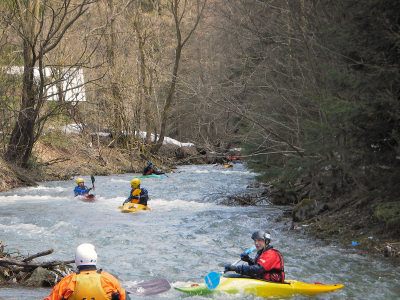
(79, 181)
(135, 183)
(85, 255)
(261, 239)
(150, 164)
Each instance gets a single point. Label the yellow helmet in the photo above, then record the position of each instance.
(79, 180)
(135, 182)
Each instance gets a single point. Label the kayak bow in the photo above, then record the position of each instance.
(87, 198)
(133, 208)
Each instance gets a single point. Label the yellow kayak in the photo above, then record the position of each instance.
(133, 207)
(260, 288)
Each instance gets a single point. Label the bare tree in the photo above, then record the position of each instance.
(179, 9)
(41, 25)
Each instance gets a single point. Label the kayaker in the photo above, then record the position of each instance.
(88, 282)
(268, 263)
(137, 195)
(81, 188)
(151, 169)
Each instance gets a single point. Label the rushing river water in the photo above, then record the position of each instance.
(186, 235)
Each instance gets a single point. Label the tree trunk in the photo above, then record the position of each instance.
(170, 98)
(145, 89)
(119, 120)
(22, 137)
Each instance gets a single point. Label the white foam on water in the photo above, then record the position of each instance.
(236, 172)
(60, 225)
(201, 171)
(46, 188)
(23, 228)
(119, 180)
(179, 204)
(30, 198)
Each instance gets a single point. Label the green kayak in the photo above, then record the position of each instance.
(150, 176)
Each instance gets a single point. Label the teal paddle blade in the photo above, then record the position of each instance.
(212, 280)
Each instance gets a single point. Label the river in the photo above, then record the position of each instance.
(186, 235)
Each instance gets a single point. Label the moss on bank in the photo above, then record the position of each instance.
(389, 213)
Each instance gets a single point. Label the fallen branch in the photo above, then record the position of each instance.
(25, 265)
(54, 161)
(43, 253)
(17, 269)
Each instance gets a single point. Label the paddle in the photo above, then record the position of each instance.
(92, 179)
(212, 279)
(151, 287)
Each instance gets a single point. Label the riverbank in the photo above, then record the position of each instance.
(65, 157)
(354, 221)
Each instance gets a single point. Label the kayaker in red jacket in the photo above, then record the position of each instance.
(268, 263)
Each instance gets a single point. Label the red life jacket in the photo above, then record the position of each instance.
(272, 262)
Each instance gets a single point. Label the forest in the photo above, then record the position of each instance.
(308, 89)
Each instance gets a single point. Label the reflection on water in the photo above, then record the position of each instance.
(185, 236)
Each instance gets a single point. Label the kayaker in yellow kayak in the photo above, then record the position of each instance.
(88, 282)
(137, 195)
(268, 263)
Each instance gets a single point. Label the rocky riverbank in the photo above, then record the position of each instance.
(354, 223)
(62, 158)
(58, 156)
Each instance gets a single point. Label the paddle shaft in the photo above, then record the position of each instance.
(92, 179)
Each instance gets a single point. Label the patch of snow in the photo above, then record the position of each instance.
(72, 128)
(167, 140)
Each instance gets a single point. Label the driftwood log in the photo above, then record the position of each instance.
(20, 270)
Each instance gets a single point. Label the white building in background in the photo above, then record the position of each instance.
(68, 82)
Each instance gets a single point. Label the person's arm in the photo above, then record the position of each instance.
(63, 289)
(144, 194)
(76, 191)
(250, 270)
(112, 287)
(129, 199)
(87, 190)
(246, 258)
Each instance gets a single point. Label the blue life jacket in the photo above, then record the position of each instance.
(81, 190)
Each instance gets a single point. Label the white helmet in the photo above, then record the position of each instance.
(85, 255)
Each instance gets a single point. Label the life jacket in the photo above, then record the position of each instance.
(272, 262)
(88, 286)
(81, 190)
(136, 193)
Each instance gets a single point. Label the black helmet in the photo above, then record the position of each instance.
(261, 235)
